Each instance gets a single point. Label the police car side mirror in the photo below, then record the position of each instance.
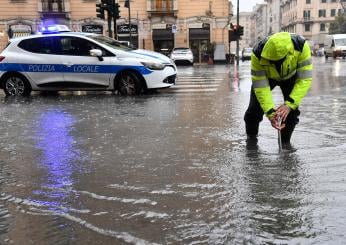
(96, 53)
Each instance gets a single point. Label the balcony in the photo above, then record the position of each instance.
(306, 20)
(162, 7)
(53, 9)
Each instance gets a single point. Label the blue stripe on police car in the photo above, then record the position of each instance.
(71, 69)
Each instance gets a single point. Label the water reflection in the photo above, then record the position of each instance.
(278, 197)
(60, 157)
(235, 83)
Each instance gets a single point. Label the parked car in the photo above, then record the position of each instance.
(81, 61)
(246, 54)
(182, 55)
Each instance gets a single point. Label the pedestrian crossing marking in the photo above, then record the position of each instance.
(204, 90)
(194, 84)
(197, 83)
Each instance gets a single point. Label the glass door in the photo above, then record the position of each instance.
(200, 50)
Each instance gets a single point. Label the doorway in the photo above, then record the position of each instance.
(199, 49)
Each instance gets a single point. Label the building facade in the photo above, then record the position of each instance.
(158, 25)
(310, 18)
(273, 15)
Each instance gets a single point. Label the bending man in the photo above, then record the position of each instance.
(284, 60)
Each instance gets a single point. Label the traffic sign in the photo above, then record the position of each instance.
(174, 28)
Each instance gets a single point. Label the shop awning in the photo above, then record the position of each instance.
(162, 34)
(199, 33)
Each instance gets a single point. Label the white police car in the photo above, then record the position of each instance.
(81, 61)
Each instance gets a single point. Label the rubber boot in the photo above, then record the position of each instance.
(251, 131)
(286, 134)
(251, 140)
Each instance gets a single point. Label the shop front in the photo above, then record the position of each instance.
(123, 34)
(199, 37)
(163, 38)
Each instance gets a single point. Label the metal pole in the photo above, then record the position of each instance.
(109, 20)
(115, 22)
(130, 22)
(237, 50)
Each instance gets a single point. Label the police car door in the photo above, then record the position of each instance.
(80, 68)
(42, 62)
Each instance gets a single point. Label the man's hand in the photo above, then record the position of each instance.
(277, 122)
(282, 112)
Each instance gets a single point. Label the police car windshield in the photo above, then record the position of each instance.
(110, 42)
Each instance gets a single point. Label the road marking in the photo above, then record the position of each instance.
(173, 90)
(197, 83)
(194, 84)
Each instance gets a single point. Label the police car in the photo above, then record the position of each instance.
(81, 61)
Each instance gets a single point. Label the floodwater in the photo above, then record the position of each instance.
(173, 168)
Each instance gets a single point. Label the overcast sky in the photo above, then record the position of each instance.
(245, 5)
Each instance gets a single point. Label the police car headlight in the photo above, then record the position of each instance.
(153, 65)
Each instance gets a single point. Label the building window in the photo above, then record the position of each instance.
(322, 13)
(53, 6)
(306, 14)
(323, 1)
(307, 27)
(308, 1)
(332, 12)
(333, 1)
(322, 27)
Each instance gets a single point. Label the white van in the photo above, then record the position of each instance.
(335, 45)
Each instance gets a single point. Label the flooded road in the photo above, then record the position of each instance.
(173, 167)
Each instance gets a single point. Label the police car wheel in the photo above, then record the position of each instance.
(15, 85)
(129, 83)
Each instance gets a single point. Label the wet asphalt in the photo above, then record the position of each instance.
(173, 167)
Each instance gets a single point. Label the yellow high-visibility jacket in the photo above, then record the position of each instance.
(297, 62)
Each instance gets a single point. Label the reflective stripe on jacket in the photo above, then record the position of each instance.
(294, 56)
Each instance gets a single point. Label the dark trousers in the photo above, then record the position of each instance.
(254, 113)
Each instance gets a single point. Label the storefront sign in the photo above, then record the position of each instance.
(20, 27)
(205, 25)
(159, 26)
(98, 29)
(199, 25)
(195, 25)
(125, 29)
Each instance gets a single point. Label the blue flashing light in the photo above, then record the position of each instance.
(50, 29)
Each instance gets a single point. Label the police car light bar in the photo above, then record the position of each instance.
(54, 29)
